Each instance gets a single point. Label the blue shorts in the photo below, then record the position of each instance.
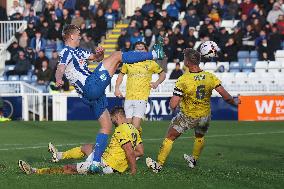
(94, 90)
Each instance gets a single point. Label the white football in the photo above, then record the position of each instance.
(209, 49)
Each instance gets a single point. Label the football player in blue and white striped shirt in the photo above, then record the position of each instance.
(91, 85)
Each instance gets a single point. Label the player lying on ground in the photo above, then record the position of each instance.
(138, 86)
(124, 147)
(192, 91)
(91, 86)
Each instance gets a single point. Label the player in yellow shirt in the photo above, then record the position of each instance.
(124, 147)
(138, 86)
(192, 92)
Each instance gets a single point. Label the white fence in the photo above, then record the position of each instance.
(8, 29)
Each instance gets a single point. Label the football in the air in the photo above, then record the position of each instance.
(209, 49)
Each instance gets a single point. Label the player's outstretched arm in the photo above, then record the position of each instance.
(130, 155)
(59, 74)
(118, 82)
(162, 77)
(226, 96)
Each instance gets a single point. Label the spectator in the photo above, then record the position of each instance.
(44, 74)
(44, 29)
(222, 8)
(183, 27)
(55, 33)
(152, 18)
(101, 22)
(158, 27)
(3, 14)
(280, 26)
(274, 13)
(166, 19)
(222, 37)
(58, 8)
(53, 61)
(243, 22)
(204, 27)
(127, 46)
(195, 5)
(66, 19)
(191, 18)
(30, 55)
(87, 43)
(138, 17)
(69, 5)
(230, 51)
(147, 7)
(248, 39)
(32, 18)
(24, 40)
(39, 6)
(122, 38)
(110, 18)
(94, 32)
(177, 72)
(38, 43)
(22, 66)
(263, 51)
(77, 20)
(214, 15)
(237, 36)
(232, 8)
(257, 26)
(38, 62)
(190, 38)
(246, 6)
(85, 13)
(16, 8)
(14, 50)
(262, 36)
(82, 3)
(169, 49)
(149, 38)
(172, 10)
(273, 42)
(136, 37)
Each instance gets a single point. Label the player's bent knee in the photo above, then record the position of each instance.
(69, 169)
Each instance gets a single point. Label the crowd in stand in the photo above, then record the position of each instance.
(261, 26)
(36, 50)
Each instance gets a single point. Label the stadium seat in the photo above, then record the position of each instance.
(13, 78)
(241, 75)
(34, 78)
(248, 67)
(261, 66)
(225, 64)
(168, 86)
(243, 54)
(171, 66)
(274, 66)
(155, 77)
(201, 65)
(3, 78)
(282, 67)
(210, 66)
(25, 78)
(253, 54)
(235, 67)
(253, 60)
(279, 56)
(9, 67)
(48, 53)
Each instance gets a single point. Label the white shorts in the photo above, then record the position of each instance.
(135, 108)
(83, 167)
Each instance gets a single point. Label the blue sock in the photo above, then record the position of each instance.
(100, 146)
(133, 57)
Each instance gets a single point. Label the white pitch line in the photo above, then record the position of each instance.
(147, 139)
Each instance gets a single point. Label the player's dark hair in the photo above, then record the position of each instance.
(141, 43)
(192, 56)
(69, 30)
(117, 110)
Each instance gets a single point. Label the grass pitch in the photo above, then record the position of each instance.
(236, 155)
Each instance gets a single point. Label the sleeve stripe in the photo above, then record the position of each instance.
(177, 94)
(121, 72)
(125, 143)
(177, 89)
(161, 71)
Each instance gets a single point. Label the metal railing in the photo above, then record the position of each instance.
(8, 29)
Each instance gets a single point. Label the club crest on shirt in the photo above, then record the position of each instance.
(103, 77)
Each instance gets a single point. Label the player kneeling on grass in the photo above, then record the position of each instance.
(124, 147)
(192, 91)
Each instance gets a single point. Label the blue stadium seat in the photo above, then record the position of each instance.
(253, 54)
(235, 67)
(13, 78)
(34, 78)
(248, 67)
(253, 60)
(48, 53)
(9, 67)
(3, 78)
(26, 78)
(243, 54)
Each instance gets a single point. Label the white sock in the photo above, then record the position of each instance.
(155, 56)
(59, 155)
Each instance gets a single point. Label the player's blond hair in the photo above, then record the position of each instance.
(68, 30)
(192, 56)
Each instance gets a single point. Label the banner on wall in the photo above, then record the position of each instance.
(157, 109)
(261, 108)
(12, 107)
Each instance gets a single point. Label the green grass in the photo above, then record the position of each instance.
(236, 155)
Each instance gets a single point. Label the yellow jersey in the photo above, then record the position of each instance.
(195, 90)
(139, 76)
(114, 155)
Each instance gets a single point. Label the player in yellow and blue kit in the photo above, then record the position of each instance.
(91, 86)
(125, 145)
(192, 92)
(138, 86)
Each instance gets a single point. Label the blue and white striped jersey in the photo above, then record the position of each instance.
(76, 66)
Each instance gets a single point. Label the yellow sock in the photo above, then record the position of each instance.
(165, 150)
(140, 131)
(74, 153)
(54, 170)
(197, 147)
